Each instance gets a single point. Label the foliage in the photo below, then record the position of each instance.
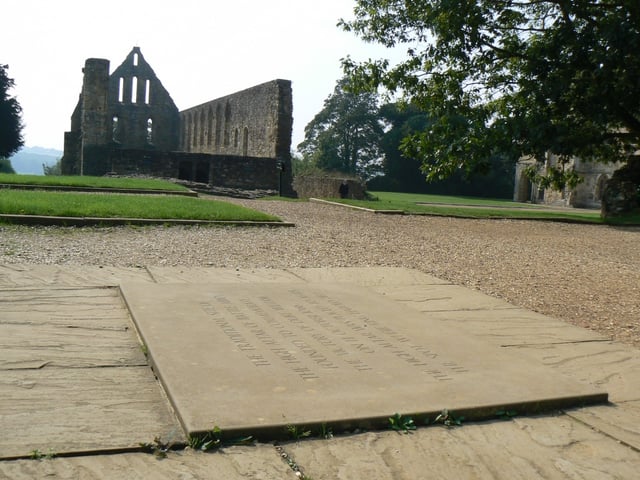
(401, 424)
(10, 117)
(5, 166)
(448, 419)
(513, 77)
(402, 173)
(53, 170)
(297, 432)
(344, 135)
(214, 440)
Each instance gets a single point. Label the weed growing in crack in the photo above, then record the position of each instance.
(401, 424)
(448, 419)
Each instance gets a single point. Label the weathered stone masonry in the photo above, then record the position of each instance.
(127, 123)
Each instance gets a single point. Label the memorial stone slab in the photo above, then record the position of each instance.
(254, 358)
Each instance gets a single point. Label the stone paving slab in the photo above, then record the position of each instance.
(59, 275)
(366, 276)
(550, 448)
(610, 366)
(256, 357)
(73, 375)
(620, 421)
(442, 298)
(259, 463)
(511, 327)
(555, 447)
(81, 409)
(218, 275)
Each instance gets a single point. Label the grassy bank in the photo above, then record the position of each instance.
(67, 204)
(89, 182)
(471, 207)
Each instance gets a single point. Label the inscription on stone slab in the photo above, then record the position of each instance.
(254, 355)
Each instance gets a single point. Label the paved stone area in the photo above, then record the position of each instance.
(256, 357)
(75, 380)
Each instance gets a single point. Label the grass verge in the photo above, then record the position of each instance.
(470, 207)
(90, 182)
(67, 204)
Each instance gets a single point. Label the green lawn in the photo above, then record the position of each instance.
(90, 182)
(470, 207)
(112, 205)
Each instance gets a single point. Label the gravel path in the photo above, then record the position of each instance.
(586, 275)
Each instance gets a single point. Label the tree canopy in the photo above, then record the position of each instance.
(344, 136)
(520, 77)
(10, 117)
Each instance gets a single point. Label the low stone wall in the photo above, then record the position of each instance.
(217, 170)
(327, 187)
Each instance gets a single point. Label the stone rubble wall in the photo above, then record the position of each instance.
(307, 186)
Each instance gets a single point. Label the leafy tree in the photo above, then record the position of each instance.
(10, 117)
(55, 169)
(5, 166)
(405, 174)
(519, 77)
(401, 173)
(344, 135)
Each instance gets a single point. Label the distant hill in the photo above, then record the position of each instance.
(29, 160)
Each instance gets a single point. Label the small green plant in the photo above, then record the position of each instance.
(401, 424)
(39, 455)
(326, 432)
(448, 419)
(296, 432)
(506, 414)
(145, 349)
(158, 448)
(213, 440)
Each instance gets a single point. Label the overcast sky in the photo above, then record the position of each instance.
(199, 49)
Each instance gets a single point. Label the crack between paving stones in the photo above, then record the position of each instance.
(568, 342)
(606, 434)
(71, 367)
(289, 460)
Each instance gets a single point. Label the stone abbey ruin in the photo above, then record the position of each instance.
(126, 123)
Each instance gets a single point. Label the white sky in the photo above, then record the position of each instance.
(199, 49)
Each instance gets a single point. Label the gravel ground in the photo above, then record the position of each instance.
(586, 275)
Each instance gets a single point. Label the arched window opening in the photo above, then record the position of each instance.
(209, 127)
(202, 127)
(601, 183)
(187, 143)
(218, 124)
(196, 130)
(134, 90)
(149, 131)
(235, 138)
(227, 126)
(245, 142)
(147, 91)
(135, 59)
(115, 128)
(121, 90)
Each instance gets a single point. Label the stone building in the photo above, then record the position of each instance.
(587, 194)
(126, 123)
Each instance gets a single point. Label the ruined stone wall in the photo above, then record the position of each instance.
(129, 116)
(141, 111)
(587, 194)
(253, 122)
(311, 186)
(216, 170)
